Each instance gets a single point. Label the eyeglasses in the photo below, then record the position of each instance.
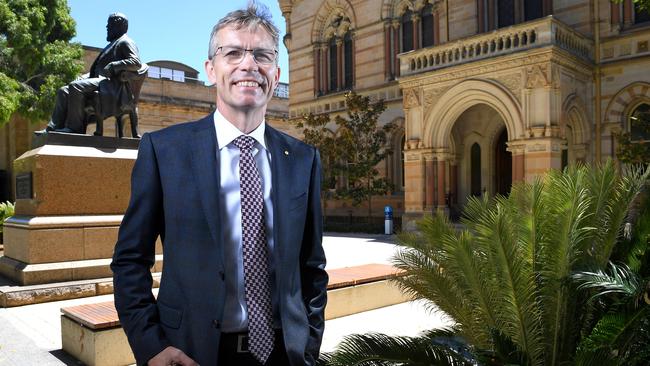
(235, 55)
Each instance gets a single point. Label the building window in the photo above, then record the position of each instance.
(640, 15)
(506, 13)
(533, 9)
(154, 72)
(332, 64)
(475, 169)
(334, 57)
(494, 14)
(348, 61)
(639, 123)
(427, 26)
(157, 72)
(407, 31)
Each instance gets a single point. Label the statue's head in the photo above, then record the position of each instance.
(116, 26)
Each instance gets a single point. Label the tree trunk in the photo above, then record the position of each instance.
(369, 204)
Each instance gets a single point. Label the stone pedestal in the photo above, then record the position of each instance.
(70, 201)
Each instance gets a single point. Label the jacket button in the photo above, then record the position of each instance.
(216, 324)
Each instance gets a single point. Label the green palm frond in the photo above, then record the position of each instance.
(376, 349)
(614, 194)
(619, 279)
(512, 280)
(618, 336)
(427, 279)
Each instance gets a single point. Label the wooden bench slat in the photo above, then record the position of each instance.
(103, 315)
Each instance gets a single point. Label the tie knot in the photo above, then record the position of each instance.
(244, 142)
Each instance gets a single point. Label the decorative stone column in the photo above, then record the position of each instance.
(396, 26)
(453, 181)
(441, 157)
(415, 18)
(430, 176)
(317, 69)
(414, 185)
(628, 11)
(388, 72)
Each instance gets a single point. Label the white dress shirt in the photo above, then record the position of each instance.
(235, 316)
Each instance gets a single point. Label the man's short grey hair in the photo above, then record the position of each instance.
(255, 15)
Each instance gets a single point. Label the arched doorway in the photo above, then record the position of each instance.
(502, 165)
(479, 149)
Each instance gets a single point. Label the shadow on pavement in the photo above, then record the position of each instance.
(64, 357)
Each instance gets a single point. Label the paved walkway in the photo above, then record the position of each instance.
(31, 335)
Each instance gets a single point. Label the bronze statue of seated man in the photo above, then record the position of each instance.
(119, 57)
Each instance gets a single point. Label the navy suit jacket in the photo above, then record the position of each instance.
(175, 194)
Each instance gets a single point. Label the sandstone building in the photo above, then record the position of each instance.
(487, 92)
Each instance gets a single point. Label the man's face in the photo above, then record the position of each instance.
(247, 86)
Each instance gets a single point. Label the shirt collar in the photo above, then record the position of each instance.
(227, 132)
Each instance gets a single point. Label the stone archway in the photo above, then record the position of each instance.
(459, 98)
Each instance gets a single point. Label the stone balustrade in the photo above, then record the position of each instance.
(538, 33)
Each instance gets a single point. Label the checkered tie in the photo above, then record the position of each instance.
(256, 274)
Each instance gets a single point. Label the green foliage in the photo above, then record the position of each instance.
(6, 211)
(508, 278)
(363, 146)
(434, 348)
(36, 57)
(316, 132)
(354, 151)
(621, 334)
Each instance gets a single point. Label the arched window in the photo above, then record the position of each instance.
(639, 123)
(348, 61)
(334, 57)
(427, 26)
(640, 15)
(475, 169)
(407, 31)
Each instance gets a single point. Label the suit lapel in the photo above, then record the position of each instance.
(281, 183)
(205, 165)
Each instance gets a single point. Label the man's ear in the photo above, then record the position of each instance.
(209, 71)
(276, 79)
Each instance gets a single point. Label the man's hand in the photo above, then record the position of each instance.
(171, 356)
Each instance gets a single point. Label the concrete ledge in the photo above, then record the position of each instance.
(32, 274)
(57, 222)
(11, 296)
(356, 299)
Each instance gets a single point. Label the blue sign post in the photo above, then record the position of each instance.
(388, 220)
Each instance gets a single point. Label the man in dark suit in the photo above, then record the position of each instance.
(121, 54)
(237, 206)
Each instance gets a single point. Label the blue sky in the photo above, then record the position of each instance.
(166, 30)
